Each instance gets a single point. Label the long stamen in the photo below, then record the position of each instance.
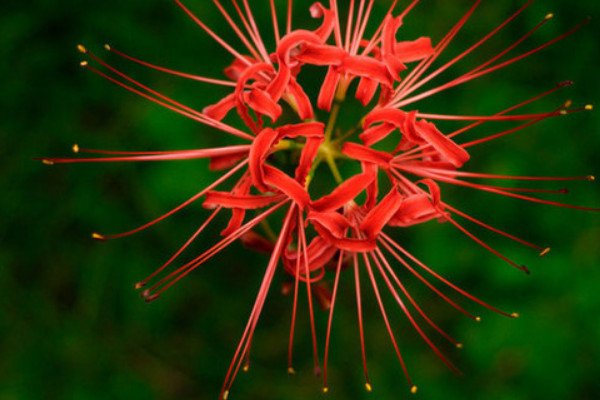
(309, 294)
(237, 30)
(212, 34)
(390, 270)
(143, 283)
(290, 11)
(275, 22)
(449, 64)
(161, 156)
(177, 107)
(290, 369)
(386, 320)
(491, 228)
(487, 247)
(407, 312)
(470, 76)
(476, 124)
(173, 277)
(337, 28)
(417, 72)
(329, 321)
(186, 203)
(443, 280)
(490, 189)
(258, 305)
(253, 30)
(170, 71)
(425, 281)
(349, 22)
(360, 322)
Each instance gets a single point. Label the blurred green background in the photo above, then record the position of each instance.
(71, 325)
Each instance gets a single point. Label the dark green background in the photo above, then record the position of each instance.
(71, 325)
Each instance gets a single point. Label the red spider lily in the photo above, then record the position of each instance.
(347, 232)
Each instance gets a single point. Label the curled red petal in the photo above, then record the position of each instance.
(254, 241)
(219, 110)
(327, 93)
(366, 90)
(259, 151)
(365, 66)
(366, 154)
(320, 54)
(287, 185)
(376, 133)
(307, 157)
(344, 193)
(380, 215)
(333, 227)
(415, 50)
(451, 151)
(415, 209)
(261, 103)
(317, 10)
(302, 101)
(225, 162)
(246, 202)
(305, 129)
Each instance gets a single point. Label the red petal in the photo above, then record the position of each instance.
(260, 150)
(287, 185)
(306, 129)
(219, 110)
(309, 153)
(224, 162)
(415, 50)
(245, 202)
(367, 67)
(261, 103)
(447, 148)
(366, 154)
(254, 241)
(380, 215)
(376, 133)
(317, 10)
(320, 54)
(366, 90)
(328, 89)
(303, 105)
(344, 193)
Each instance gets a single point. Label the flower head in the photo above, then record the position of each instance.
(401, 156)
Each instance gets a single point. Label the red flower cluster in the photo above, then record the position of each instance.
(343, 230)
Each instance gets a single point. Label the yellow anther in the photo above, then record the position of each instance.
(139, 285)
(478, 319)
(81, 48)
(515, 315)
(83, 63)
(325, 389)
(549, 16)
(545, 251)
(368, 387)
(291, 371)
(589, 107)
(107, 46)
(459, 345)
(246, 368)
(225, 394)
(97, 236)
(414, 389)
(48, 162)
(75, 148)
(568, 103)
(563, 112)
(591, 178)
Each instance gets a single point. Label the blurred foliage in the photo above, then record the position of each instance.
(72, 327)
